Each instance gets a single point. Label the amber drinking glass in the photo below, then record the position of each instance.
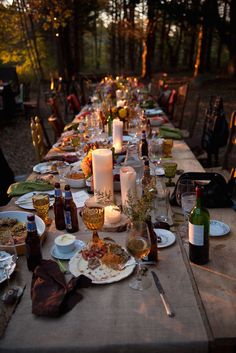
(41, 203)
(167, 147)
(170, 170)
(93, 218)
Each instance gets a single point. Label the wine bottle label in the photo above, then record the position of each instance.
(196, 234)
(68, 220)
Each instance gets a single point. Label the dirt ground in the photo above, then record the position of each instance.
(15, 136)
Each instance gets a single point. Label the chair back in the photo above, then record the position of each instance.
(38, 138)
(178, 114)
(231, 140)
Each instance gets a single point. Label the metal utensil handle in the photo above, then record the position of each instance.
(167, 306)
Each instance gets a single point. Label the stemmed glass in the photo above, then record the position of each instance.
(138, 245)
(170, 170)
(186, 198)
(8, 258)
(93, 218)
(155, 152)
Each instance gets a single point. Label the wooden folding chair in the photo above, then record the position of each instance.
(231, 144)
(38, 138)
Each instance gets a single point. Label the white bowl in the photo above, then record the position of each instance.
(21, 216)
(75, 183)
(65, 243)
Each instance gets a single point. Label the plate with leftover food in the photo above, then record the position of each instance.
(218, 228)
(13, 224)
(48, 167)
(103, 262)
(165, 237)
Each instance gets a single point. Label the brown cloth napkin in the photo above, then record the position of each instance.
(51, 295)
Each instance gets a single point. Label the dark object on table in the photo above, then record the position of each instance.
(51, 295)
(33, 244)
(6, 179)
(215, 131)
(216, 192)
(161, 225)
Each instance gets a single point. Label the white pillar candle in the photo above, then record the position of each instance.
(112, 214)
(102, 171)
(117, 135)
(121, 103)
(127, 183)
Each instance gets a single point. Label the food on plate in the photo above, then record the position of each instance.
(75, 175)
(56, 164)
(101, 253)
(11, 228)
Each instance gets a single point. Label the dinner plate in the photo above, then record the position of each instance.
(167, 238)
(218, 228)
(46, 167)
(79, 244)
(78, 266)
(3, 275)
(25, 201)
(21, 216)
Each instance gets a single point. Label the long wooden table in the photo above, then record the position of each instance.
(115, 318)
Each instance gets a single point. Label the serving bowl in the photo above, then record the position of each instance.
(75, 179)
(21, 216)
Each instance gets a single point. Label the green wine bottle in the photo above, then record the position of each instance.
(199, 224)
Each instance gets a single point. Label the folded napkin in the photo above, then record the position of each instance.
(172, 133)
(50, 294)
(23, 187)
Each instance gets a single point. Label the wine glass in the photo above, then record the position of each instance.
(8, 259)
(93, 218)
(155, 152)
(170, 170)
(138, 245)
(186, 198)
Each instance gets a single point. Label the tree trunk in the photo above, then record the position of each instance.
(232, 47)
(150, 39)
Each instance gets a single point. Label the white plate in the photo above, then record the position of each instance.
(218, 229)
(46, 167)
(79, 244)
(3, 276)
(21, 216)
(151, 112)
(78, 266)
(167, 237)
(25, 201)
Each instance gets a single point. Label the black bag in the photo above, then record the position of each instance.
(215, 193)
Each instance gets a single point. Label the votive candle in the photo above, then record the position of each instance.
(112, 214)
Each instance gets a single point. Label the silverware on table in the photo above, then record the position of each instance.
(158, 284)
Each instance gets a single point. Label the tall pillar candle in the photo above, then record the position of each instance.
(102, 171)
(127, 183)
(117, 135)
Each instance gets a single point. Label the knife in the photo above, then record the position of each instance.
(162, 295)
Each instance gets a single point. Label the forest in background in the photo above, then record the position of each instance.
(61, 38)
